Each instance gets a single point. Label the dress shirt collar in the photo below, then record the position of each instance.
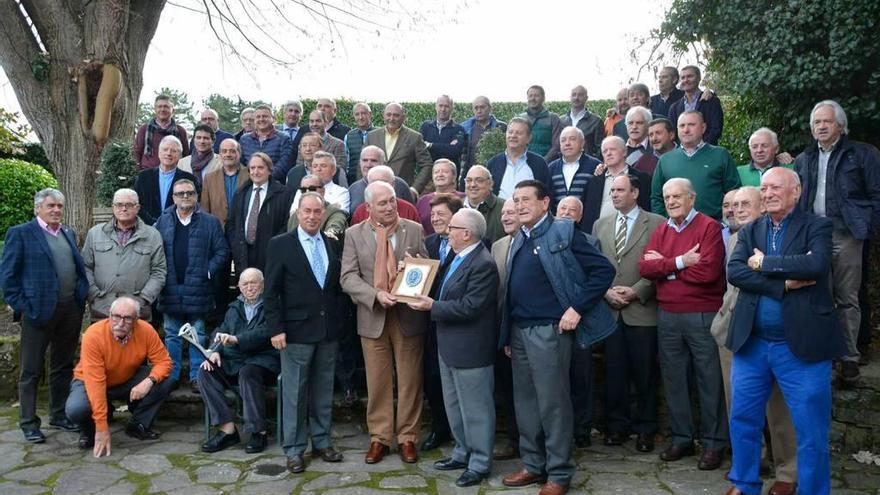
(687, 221)
(45, 226)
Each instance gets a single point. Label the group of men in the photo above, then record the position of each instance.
(644, 236)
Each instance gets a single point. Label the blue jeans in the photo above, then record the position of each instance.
(174, 343)
(806, 388)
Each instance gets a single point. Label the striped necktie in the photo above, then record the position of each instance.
(620, 237)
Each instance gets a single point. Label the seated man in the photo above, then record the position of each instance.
(246, 358)
(111, 366)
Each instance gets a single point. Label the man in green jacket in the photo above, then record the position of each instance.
(764, 148)
(546, 126)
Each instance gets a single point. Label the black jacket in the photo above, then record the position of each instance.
(254, 345)
(147, 188)
(272, 220)
(593, 197)
(713, 115)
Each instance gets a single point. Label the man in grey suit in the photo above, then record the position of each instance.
(466, 341)
(631, 351)
(405, 148)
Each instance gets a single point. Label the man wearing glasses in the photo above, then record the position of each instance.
(123, 256)
(335, 220)
(111, 367)
(478, 195)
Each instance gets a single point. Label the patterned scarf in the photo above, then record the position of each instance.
(154, 127)
(199, 160)
(385, 269)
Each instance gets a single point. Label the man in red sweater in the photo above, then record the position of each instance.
(685, 258)
(111, 366)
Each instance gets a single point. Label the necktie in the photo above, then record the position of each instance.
(318, 267)
(251, 233)
(444, 248)
(620, 238)
(452, 267)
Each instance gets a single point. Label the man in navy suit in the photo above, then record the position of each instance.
(784, 328)
(44, 281)
(464, 312)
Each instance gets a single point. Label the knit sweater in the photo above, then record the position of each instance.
(711, 170)
(695, 289)
(105, 363)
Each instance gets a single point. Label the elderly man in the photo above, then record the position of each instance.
(597, 196)
(546, 301)
(356, 139)
(318, 122)
(841, 181)
(219, 186)
(290, 125)
(383, 173)
(695, 99)
(667, 80)
(404, 148)
(544, 125)
(639, 153)
(571, 208)
(211, 119)
(303, 297)
(324, 168)
(245, 358)
(616, 113)
(710, 169)
(479, 196)
(516, 163)
(335, 219)
(631, 351)
(570, 173)
(685, 259)
(45, 282)
(661, 132)
(475, 127)
(247, 123)
(638, 96)
(196, 252)
(111, 367)
(464, 311)
(153, 185)
(763, 148)
(203, 159)
(150, 135)
(391, 334)
(589, 123)
(784, 330)
(443, 137)
(372, 156)
(444, 175)
(334, 127)
(260, 210)
(265, 138)
(310, 144)
(123, 257)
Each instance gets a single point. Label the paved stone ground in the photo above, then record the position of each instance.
(174, 465)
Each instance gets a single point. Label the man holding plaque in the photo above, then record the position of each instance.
(389, 332)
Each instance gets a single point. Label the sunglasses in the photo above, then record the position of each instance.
(310, 188)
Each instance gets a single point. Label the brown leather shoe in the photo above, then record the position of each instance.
(553, 488)
(710, 460)
(408, 452)
(523, 478)
(733, 491)
(377, 451)
(783, 488)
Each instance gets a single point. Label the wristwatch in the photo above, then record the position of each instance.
(152, 379)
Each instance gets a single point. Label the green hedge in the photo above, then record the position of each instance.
(19, 182)
(118, 170)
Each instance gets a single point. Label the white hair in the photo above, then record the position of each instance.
(646, 114)
(172, 139)
(765, 130)
(134, 302)
(386, 173)
(474, 221)
(839, 114)
(373, 186)
(126, 192)
(45, 193)
(681, 181)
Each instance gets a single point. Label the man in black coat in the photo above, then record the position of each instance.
(597, 195)
(153, 185)
(303, 297)
(260, 209)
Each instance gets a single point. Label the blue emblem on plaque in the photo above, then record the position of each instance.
(413, 277)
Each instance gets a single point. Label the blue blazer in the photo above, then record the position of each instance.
(498, 165)
(812, 328)
(30, 282)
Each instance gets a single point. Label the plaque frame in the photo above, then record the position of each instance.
(407, 284)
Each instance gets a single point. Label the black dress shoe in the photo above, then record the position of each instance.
(470, 478)
(676, 451)
(449, 464)
(64, 424)
(645, 443)
(328, 455)
(614, 438)
(256, 443)
(86, 440)
(434, 440)
(141, 432)
(710, 460)
(34, 435)
(220, 441)
(296, 464)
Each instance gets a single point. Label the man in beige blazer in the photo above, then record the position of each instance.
(404, 148)
(390, 332)
(216, 200)
(203, 147)
(747, 208)
(631, 351)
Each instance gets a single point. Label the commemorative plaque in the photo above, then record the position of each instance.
(415, 279)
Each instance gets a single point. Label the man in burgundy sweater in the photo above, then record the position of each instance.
(685, 258)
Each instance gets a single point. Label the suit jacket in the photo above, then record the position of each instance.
(812, 328)
(592, 198)
(214, 192)
(185, 164)
(146, 185)
(712, 112)
(642, 312)
(356, 192)
(30, 281)
(331, 145)
(721, 322)
(467, 330)
(271, 221)
(295, 303)
(358, 259)
(410, 159)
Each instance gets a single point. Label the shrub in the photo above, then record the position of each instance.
(19, 182)
(118, 170)
(491, 143)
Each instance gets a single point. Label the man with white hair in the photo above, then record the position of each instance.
(479, 196)
(570, 173)
(840, 180)
(123, 256)
(153, 186)
(444, 174)
(571, 208)
(482, 121)
(324, 167)
(763, 148)
(639, 153)
(150, 135)
(371, 156)
(247, 123)
(383, 173)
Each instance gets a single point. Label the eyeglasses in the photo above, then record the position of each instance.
(117, 318)
(477, 180)
(184, 194)
(124, 206)
(453, 227)
(310, 189)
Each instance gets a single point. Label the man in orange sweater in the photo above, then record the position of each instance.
(111, 367)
